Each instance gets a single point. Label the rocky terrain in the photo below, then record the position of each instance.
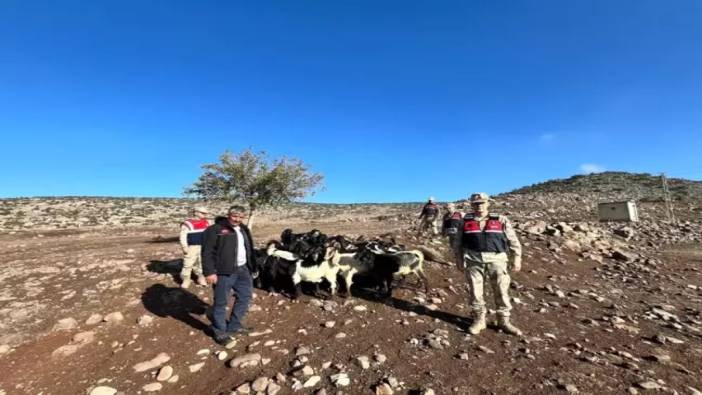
(616, 185)
(90, 304)
(79, 212)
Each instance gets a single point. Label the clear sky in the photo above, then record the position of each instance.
(390, 100)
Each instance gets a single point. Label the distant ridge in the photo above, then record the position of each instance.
(641, 186)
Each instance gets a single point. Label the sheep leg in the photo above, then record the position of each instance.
(388, 286)
(331, 277)
(423, 281)
(318, 294)
(401, 282)
(343, 291)
(272, 279)
(297, 287)
(385, 286)
(349, 281)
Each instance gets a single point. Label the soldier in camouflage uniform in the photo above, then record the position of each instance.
(489, 244)
(428, 218)
(191, 241)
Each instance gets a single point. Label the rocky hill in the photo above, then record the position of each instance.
(616, 185)
(576, 198)
(572, 199)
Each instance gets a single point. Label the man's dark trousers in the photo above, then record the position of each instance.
(242, 284)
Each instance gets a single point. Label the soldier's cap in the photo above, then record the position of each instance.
(480, 197)
(201, 209)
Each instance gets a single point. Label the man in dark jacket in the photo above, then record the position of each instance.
(428, 218)
(453, 229)
(228, 262)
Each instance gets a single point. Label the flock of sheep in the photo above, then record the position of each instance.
(314, 257)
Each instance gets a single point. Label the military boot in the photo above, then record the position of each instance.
(201, 280)
(478, 324)
(185, 284)
(504, 324)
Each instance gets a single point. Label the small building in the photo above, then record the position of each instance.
(618, 211)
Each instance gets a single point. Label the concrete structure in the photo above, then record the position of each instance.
(618, 211)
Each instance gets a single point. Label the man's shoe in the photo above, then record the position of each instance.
(478, 324)
(185, 284)
(504, 324)
(241, 331)
(227, 341)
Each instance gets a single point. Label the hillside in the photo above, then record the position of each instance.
(79, 212)
(572, 199)
(576, 198)
(91, 304)
(615, 185)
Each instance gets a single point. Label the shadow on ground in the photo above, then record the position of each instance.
(176, 303)
(365, 290)
(163, 239)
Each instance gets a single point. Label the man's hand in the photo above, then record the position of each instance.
(517, 264)
(211, 279)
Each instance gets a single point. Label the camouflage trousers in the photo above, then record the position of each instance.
(429, 224)
(492, 268)
(192, 263)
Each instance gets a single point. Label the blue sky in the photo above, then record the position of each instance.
(390, 100)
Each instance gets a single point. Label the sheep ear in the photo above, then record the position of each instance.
(270, 249)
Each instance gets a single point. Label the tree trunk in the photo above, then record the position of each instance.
(250, 220)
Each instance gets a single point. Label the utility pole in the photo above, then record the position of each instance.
(666, 198)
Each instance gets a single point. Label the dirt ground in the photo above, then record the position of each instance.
(589, 327)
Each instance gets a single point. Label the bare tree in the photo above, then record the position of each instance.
(254, 179)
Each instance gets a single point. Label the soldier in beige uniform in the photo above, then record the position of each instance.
(490, 244)
(191, 242)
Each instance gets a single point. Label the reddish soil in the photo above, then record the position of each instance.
(572, 340)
